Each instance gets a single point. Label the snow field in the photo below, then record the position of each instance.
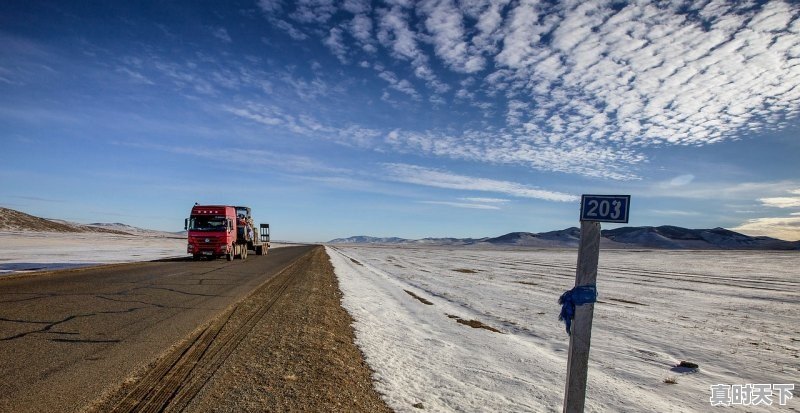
(36, 251)
(734, 313)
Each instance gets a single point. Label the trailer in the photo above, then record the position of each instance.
(224, 231)
(264, 237)
(256, 242)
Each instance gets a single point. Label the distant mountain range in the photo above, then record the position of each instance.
(663, 237)
(12, 220)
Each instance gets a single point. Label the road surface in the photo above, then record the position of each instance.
(69, 337)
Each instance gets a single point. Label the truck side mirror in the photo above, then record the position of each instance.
(186, 224)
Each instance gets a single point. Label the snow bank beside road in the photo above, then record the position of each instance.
(420, 355)
(26, 251)
(731, 312)
(37, 251)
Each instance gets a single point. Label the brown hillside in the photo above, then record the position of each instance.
(11, 220)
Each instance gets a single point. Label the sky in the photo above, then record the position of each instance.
(332, 118)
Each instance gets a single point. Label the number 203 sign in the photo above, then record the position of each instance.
(605, 208)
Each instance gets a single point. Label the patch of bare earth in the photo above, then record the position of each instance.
(287, 347)
(473, 323)
(422, 300)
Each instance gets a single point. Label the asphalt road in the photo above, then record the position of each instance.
(68, 337)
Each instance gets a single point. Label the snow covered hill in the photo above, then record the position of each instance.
(666, 237)
(12, 220)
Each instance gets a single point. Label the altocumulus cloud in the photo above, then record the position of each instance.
(783, 201)
(419, 175)
(563, 85)
(787, 228)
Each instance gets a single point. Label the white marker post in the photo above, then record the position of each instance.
(594, 209)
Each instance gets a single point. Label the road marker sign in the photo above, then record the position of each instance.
(594, 209)
(605, 208)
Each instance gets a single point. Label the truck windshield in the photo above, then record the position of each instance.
(202, 223)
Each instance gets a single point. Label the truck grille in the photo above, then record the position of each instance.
(207, 240)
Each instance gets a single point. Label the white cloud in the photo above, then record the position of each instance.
(587, 158)
(488, 25)
(313, 11)
(290, 29)
(222, 34)
(270, 6)
(257, 158)
(358, 136)
(461, 205)
(783, 201)
(134, 75)
(721, 190)
(335, 43)
(486, 200)
(444, 21)
(275, 117)
(574, 87)
(400, 85)
(523, 31)
(440, 179)
(682, 180)
(642, 76)
(357, 6)
(395, 34)
(361, 29)
(787, 228)
(674, 212)
(263, 115)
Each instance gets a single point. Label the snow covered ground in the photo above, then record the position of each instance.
(736, 314)
(37, 251)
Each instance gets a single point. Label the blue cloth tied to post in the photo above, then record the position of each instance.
(583, 294)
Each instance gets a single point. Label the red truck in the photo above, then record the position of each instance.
(223, 230)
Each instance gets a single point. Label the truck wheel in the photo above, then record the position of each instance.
(230, 255)
(196, 257)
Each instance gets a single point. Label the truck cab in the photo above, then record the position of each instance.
(212, 232)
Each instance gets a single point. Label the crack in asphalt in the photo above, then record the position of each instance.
(180, 292)
(66, 340)
(37, 297)
(50, 324)
(175, 307)
(135, 302)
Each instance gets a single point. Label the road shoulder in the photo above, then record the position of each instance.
(287, 347)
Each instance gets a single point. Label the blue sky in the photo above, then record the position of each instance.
(414, 119)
